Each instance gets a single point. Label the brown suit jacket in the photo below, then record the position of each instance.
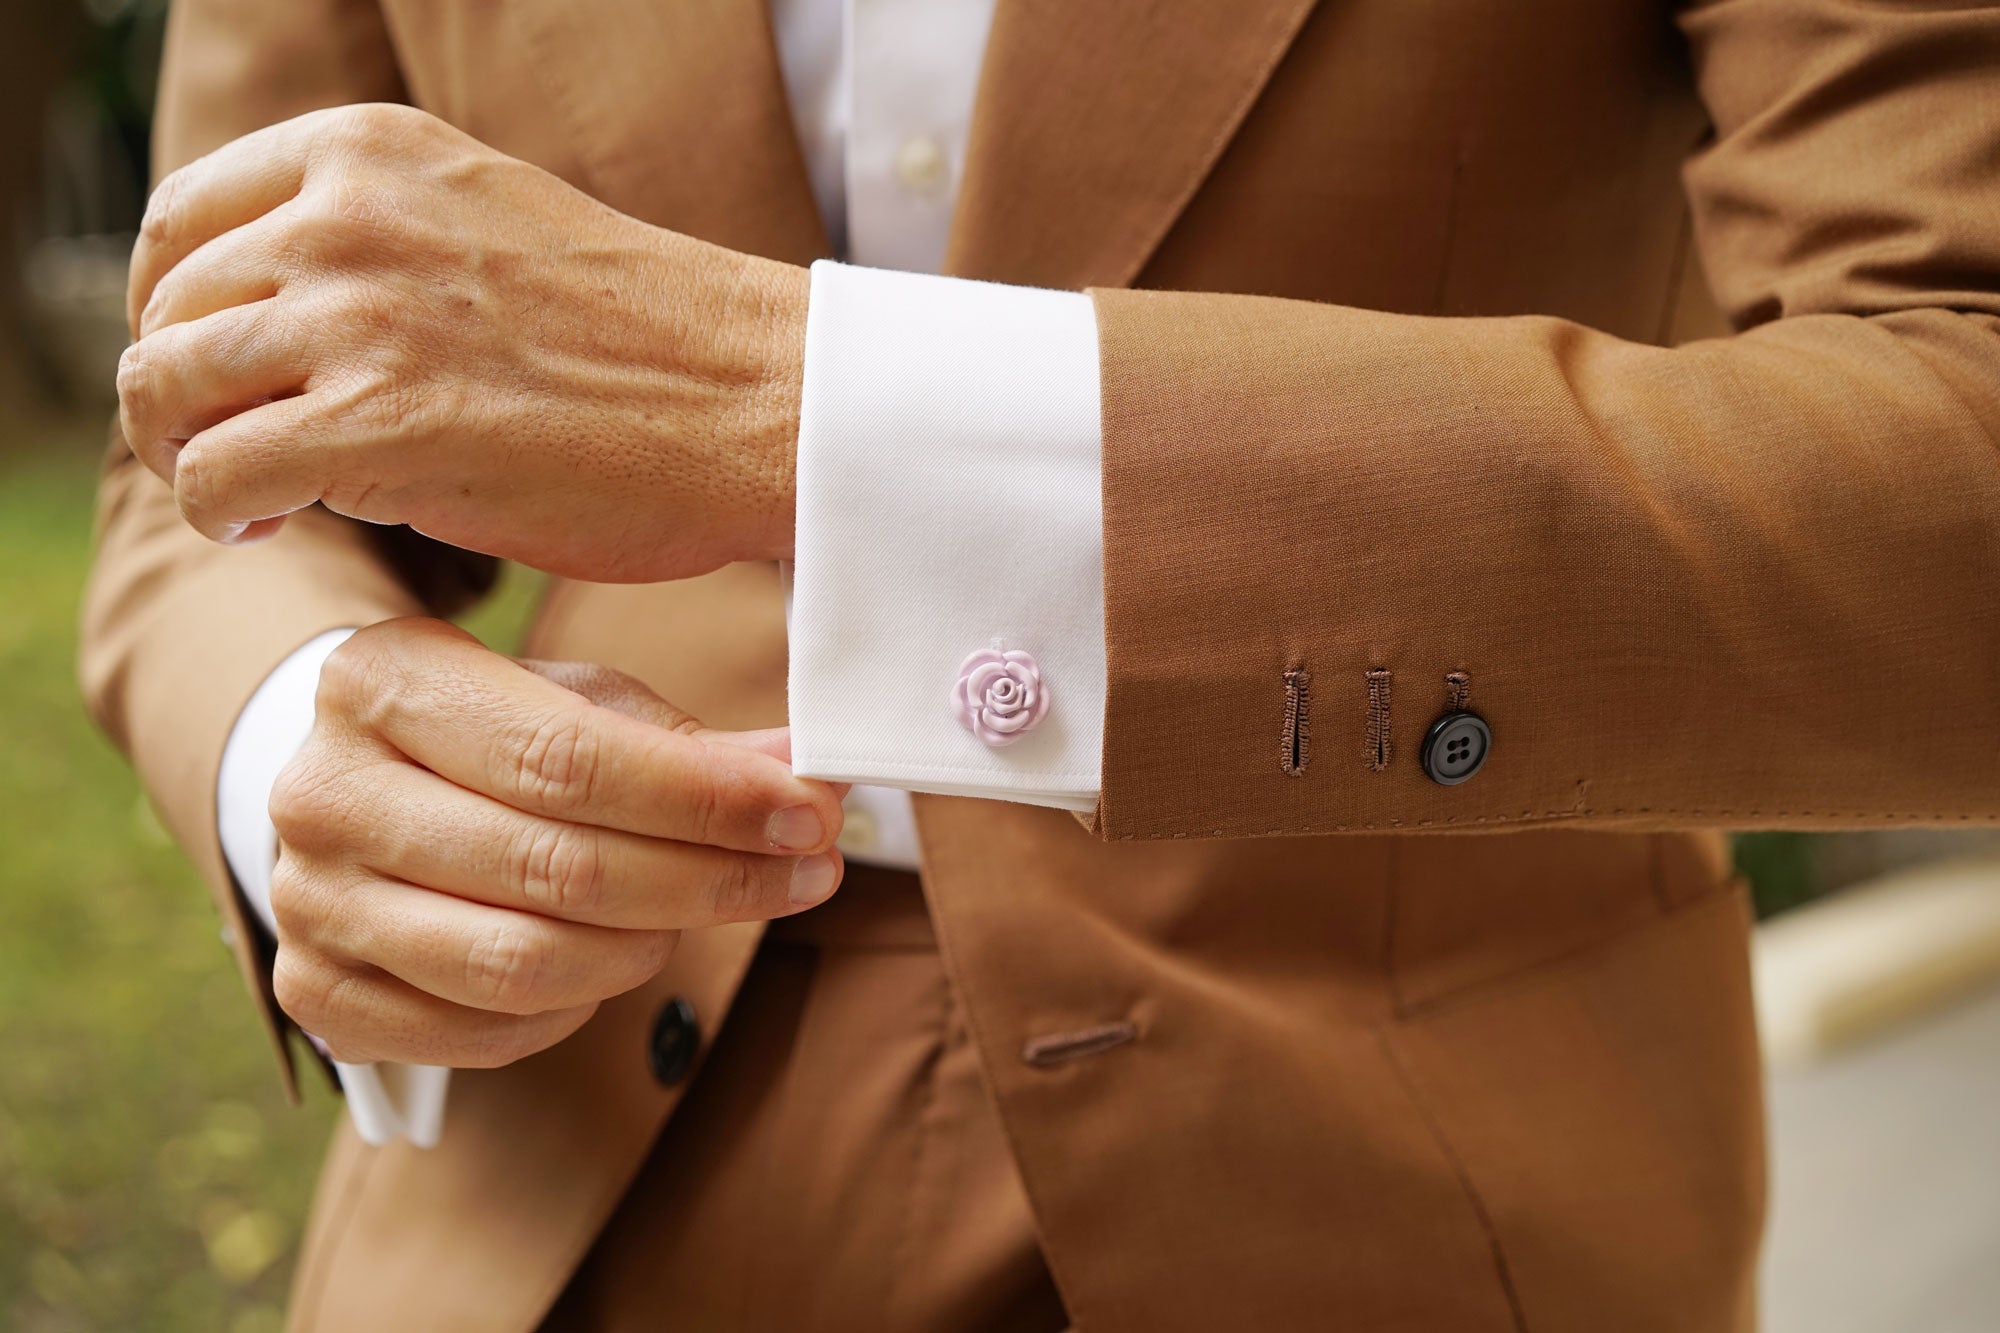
(1390, 1079)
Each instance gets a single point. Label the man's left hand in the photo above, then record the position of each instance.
(366, 308)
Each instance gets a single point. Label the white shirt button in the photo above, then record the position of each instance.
(858, 834)
(921, 165)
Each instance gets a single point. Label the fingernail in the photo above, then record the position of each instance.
(795, 829)
(813, 879)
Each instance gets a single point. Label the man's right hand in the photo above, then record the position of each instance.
(475, 852)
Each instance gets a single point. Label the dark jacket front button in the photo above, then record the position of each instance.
(1455, 747)
(676, 1038)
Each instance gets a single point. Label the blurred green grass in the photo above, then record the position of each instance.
(152, 1176)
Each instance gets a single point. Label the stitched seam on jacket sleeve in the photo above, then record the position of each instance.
(1566, 816)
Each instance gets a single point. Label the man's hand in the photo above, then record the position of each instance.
(476, 852)
(365, 307)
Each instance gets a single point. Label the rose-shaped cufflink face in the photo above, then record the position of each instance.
(999, 696)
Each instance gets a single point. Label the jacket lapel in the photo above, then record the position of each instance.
(678, 110)
(1095, 124)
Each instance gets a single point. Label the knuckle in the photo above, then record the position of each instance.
(163, 210)
(358, 209)
(202, 484)
(310, 990)
(136, 382)
(504, 970)
(372, 120)
(348, 669)
(655, 951)
(300, 227)
(558, 767)
(320, 235)
(683, 723)
(559, 869)
(293, 907)
(707, 810)
(366, 129)
(356, 682)
(306, 801)
(743, 887)
(350, 126)
(292, 988)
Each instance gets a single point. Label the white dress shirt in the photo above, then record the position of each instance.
(949, 490)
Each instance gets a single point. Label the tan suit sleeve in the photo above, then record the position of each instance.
(178, 632)
(1748, 581)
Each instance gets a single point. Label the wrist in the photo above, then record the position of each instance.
(771, 427)
(725, 355)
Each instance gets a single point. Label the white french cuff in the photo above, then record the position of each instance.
(386, 1101)
(949, 504)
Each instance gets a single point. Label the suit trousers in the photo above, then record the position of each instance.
(837, 1164)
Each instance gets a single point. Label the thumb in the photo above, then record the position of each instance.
(774, 741)
(615, 690)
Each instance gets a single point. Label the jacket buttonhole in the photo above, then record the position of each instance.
(1062, 1047)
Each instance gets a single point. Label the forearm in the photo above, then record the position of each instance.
(1734, 583)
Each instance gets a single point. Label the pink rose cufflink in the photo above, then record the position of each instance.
(999, 696)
